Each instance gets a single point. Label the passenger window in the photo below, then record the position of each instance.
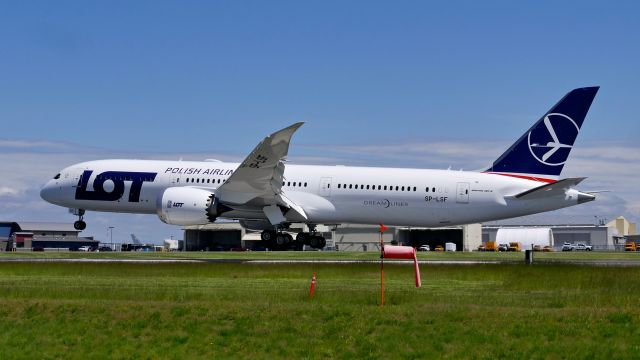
(403, 188)
(397, 187)
(414, 188)
(350, 186)
(305, 184)
(379, 187)
(294, 184)
(385, 187)
(338, 186)
(288, 183)
(433, 189)
(367, 187)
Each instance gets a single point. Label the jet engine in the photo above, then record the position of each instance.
(188, 206)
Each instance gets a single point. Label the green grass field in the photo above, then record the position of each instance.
(222, 310)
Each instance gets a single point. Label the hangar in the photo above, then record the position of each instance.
(590, 230)
(347, 237)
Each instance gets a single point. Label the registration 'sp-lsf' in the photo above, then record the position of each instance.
(264, 192)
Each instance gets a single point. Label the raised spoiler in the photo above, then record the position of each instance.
(559, 187)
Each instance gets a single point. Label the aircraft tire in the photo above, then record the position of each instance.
(281, 240)
(315, 241)
(267, 235)
(303, 238)
(80, 225)
(323, 243)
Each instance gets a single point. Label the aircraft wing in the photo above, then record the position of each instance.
(259, 177)
(548, 190)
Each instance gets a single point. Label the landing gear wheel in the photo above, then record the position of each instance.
(314, 241)
(317, 242)
(80, 225)
(288, 238)
(281, 239)
(303, 238)
(267, 235)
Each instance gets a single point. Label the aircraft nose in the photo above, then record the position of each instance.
(47, 192)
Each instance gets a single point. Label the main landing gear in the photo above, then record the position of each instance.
(80, 224)
(278, 240)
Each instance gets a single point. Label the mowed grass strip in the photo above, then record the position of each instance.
(210, 310)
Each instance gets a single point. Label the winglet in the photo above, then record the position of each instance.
(260, 173)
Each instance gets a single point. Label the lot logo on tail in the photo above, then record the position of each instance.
(552, 143)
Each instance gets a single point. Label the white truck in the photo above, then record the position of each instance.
(583, 247)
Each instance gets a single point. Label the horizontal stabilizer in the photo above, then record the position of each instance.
(548, 190)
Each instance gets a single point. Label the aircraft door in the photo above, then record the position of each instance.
(462, 193)
(325, 186)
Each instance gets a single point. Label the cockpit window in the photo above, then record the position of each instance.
(57, 177)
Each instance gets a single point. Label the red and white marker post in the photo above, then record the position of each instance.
(396, 252)
(312, 289)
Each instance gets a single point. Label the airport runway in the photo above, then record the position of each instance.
(616, 263)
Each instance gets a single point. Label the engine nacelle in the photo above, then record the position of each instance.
(187, 206)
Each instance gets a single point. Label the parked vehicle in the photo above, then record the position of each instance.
(84, 248)
(630, 246)
(583, 247)
(503, 247)
(424, 248)
(547, 249)
(514, 246)
(439, 248)
(567, 247)
(104, 249)
(491, 246)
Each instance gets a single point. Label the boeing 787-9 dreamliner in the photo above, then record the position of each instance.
(263, 190)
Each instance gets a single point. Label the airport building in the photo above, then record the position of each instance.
(30, 235)
(589, 230)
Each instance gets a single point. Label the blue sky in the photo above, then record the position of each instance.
(161, 79)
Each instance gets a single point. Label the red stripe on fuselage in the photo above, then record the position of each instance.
(524, 177)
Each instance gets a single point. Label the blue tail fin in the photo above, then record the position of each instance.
(542, 151)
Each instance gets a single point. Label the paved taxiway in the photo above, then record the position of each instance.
(619, 263)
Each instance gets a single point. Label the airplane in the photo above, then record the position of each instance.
(135, 240)
(266, 193)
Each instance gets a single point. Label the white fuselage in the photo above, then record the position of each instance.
(328, 194)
